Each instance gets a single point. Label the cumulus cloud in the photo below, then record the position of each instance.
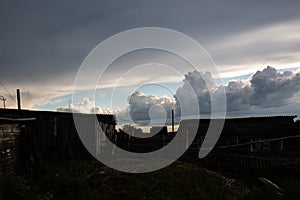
(271, 88)
(196, 85)
(142, 107)
(146, 109)
(265, 89)
(237, 94)
(86, 106)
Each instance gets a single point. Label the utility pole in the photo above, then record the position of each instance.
(19, 99)
(172, 120)
(69, 105)
(3, 99)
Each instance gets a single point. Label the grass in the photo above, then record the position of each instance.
(87, 180)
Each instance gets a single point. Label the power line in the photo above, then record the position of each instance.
(9, 94)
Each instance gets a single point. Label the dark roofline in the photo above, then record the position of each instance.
(13, 120)
(246, 118)
(46, 111)
(15, 113)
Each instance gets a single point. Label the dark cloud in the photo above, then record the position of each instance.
(198, 83)
(266, 88)
(237, 94)
(42, 43)
(271, 89)
(41, 40)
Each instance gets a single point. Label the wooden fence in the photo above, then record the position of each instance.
(30, 138)
(53, 137)
(269, 153)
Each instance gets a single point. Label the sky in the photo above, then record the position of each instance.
(43, 44)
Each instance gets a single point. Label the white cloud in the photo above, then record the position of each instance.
(141, 104)
(265, 90)
(87, 106)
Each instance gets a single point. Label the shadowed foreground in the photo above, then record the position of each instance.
(88, 180)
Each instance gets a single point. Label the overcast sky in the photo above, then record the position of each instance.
(43, 43)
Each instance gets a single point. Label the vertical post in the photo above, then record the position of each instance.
(187, 139)
(69, 105)
(172, 120)
(3, 99)
(19, 99)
